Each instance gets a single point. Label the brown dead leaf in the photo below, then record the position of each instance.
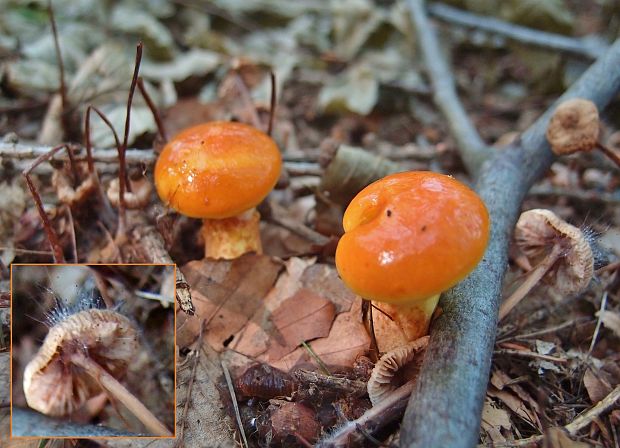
(516, 405)
(494, 420)
(347, 340)
(226, 294)
(324, 280)
(596, 386)
(253, 339)
(501, 380)
(303, 317)
(557, 438)
(611, 320)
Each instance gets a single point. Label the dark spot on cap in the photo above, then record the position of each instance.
(388, 213)
(423, 228)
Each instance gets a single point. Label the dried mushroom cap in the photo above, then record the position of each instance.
(52, 384)
(574, 127)
(395, 368)
(138, 197)
(537, 230)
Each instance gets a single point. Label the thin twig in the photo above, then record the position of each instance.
(598, 323)
(373, 420)
(528, 354)
(233, 397)
(583, 46)
(156, 115)
(22, 151)
(472, 148)
(318, 360)
(609, 153)
(581, 422)
(536, 334)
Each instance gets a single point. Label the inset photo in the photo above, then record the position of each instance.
(92, 351)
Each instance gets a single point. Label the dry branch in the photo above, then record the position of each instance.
(472, 148)
(588, 46)
(446, 405)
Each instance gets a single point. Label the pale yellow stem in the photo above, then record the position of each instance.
(229, 238)
(396, 325)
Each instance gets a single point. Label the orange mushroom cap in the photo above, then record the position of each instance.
(217, 170)
(410, 236)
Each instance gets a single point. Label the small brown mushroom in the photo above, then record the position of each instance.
(66, 191)
(138, 197)
(574, 127)
(395, 368)
(556, 249)
(82, 354)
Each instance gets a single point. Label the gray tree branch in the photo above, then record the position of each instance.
(588, 46)
(472, 148)
(445, 407)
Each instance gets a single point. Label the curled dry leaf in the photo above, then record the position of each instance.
(395, 368)
(254, 338)
(263, 381)
(303, 317)
(347, 340)
(226, 295)
(574, 127)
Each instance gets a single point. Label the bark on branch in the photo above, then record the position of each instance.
(472, 148)
(445, 407)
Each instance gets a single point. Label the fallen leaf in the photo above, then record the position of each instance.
(596, 386)
(347, 340)
(557, 438)
(303, 317)
(325, 281)
(253, 339)
(494, 419)
(611, 320)
(516, 405)
(226, 294)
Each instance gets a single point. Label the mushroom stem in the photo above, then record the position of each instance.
(118, 391)
(533, 278)
(230, 238)
(398, 324)
(609, 153)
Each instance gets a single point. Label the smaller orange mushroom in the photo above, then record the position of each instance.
(408, 237)
(220, 171)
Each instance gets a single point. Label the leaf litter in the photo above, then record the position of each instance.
(342, 74)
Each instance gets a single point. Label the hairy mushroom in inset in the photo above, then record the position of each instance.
(83, 354)
(574, 127)
(556, 249)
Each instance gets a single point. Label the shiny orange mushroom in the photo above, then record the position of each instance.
(408, 237)
(220, 171)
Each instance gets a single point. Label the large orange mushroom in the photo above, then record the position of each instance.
(220, 171)
(408, 237)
